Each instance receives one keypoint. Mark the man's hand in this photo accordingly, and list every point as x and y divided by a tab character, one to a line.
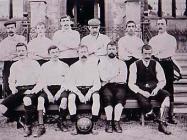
146	94
88	96
57	95
14	91
82	98
51	98
154	92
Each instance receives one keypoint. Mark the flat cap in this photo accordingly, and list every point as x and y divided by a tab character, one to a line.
94	22
10	21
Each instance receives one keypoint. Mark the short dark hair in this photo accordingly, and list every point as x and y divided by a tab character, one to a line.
21	44
146	47
112	43
40	23
130	21
9	22
65	16
52	47
161	18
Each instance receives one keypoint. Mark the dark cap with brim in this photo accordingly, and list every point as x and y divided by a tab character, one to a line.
94	22
11	21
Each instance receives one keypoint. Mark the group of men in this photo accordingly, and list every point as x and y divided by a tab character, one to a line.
69	71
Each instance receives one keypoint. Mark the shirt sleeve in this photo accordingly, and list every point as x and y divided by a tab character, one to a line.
122	52
12	78
132	79
160	76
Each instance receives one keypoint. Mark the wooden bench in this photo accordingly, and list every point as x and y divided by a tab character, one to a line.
130	104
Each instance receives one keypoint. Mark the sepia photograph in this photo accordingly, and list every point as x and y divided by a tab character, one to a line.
93	69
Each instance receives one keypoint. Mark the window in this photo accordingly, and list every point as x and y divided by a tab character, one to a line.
180	7
4	8
17	8
152	7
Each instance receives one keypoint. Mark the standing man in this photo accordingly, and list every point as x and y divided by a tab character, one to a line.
23	77
38	46
84	84
113	74
147	80
164	46
67	40
53	74
96	42
8	50
130	45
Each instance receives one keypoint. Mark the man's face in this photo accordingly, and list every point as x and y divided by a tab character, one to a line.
40	29
21	52
11	29
161	25
131	28
94	30
147	54
112	51
65	23
83	54
54	53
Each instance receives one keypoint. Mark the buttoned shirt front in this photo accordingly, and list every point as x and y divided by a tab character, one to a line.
68	42
164	45
24	73
54	73
38	47
84	74
133	76
129	46
112	70
96	44
8	46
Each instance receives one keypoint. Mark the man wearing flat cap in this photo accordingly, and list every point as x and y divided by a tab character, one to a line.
8	49
96	42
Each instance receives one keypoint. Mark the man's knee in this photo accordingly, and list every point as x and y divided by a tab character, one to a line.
166	102
119	106
96	97
146	107
63	103
3	109
27	101
71	98
41	102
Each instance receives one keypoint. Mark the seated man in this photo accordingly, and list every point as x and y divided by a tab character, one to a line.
84	84
147	80
23	77
113	74
52	79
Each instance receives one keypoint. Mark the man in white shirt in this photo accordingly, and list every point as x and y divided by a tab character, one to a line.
23	77
164	46
113	74
67	40
130	45
147	80
84	84
38	46
8	50
96	42
52	79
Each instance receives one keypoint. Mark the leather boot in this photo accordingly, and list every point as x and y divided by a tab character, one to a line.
171	119
117	127
108	127
27	131
40	131
162	127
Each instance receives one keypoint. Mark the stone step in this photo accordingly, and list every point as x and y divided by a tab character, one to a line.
180	89
181	81
181	100
180	110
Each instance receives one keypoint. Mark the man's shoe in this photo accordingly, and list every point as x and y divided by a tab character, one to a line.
40	131
74	129
163	128
117	127
27	131
63	126
108	127
94	129
172	121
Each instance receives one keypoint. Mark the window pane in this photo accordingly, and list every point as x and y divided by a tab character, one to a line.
4	8
167	7
152	7
17	8
180	6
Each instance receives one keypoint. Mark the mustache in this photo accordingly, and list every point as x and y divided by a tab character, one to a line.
160	28
83	56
